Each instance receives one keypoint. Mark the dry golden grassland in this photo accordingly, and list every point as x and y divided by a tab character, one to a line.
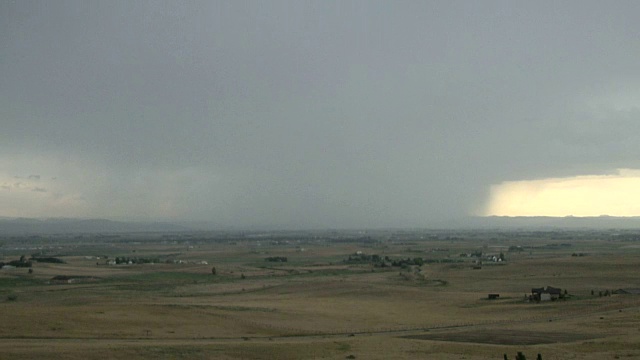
317	305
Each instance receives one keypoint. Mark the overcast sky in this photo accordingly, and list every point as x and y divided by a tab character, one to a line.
308	114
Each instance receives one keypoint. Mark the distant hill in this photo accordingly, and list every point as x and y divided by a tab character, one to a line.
545	222
29	226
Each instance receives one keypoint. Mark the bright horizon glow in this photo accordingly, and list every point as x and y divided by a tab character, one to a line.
589	195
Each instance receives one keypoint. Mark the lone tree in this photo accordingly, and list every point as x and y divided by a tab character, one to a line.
213	270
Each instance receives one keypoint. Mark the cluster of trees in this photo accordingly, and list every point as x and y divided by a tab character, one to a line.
136	260
360	258
23	262
52	260
556	245
276	259
379	261
601	293
408	262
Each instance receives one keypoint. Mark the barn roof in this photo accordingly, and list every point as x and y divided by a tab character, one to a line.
547	290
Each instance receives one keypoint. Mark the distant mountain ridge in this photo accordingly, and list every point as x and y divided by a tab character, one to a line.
31	226
546	222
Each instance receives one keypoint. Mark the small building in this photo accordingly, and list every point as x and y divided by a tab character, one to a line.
548	293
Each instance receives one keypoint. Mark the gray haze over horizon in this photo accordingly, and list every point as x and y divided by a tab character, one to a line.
307	114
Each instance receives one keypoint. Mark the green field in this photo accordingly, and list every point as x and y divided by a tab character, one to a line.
320	304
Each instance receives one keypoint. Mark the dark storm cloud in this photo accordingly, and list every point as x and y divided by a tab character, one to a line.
304	114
